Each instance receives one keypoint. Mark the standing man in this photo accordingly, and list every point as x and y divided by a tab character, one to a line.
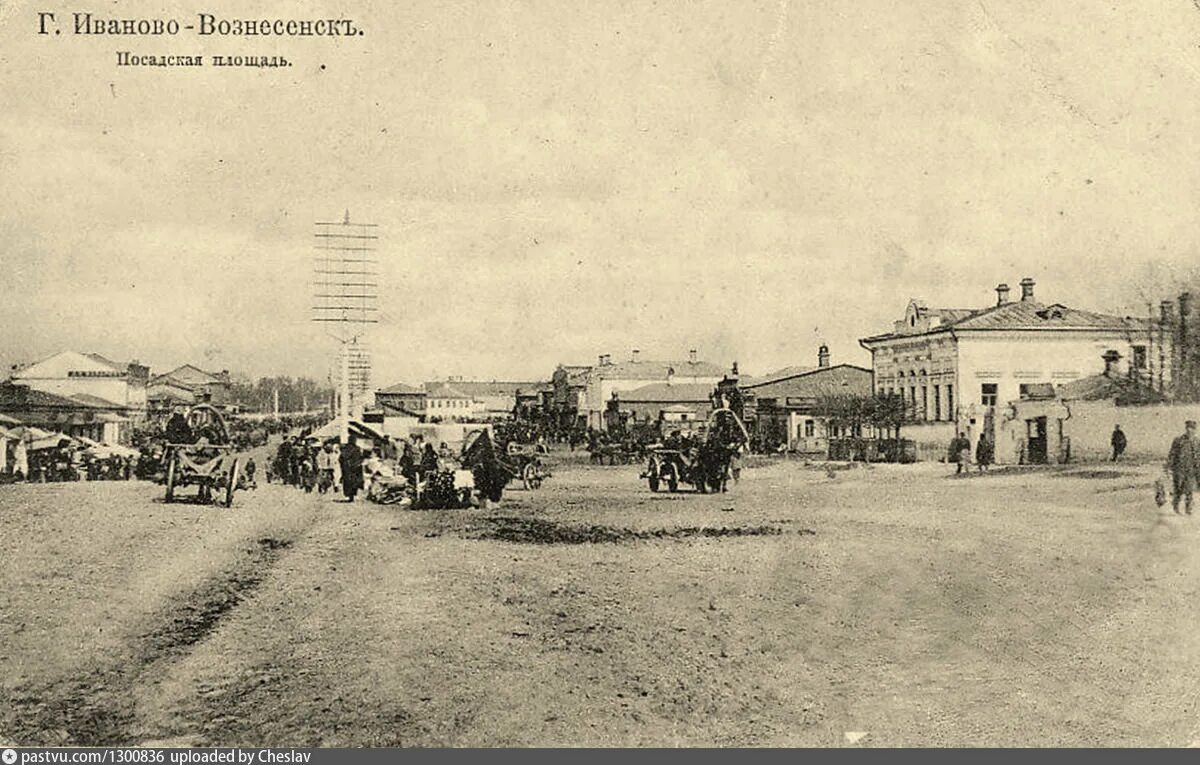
1183	464
1118	443
351	460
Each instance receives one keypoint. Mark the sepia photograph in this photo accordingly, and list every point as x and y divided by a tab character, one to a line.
623	373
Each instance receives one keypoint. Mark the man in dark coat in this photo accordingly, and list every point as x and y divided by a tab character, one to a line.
351	460
1118	443
1184	463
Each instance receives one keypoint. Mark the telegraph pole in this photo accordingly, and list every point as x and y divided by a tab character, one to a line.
345	299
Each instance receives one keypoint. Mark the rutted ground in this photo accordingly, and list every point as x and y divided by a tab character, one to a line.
1019	608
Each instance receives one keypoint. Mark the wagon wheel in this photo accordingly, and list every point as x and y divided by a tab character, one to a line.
531	476
672	477
171	479
231	483
652	475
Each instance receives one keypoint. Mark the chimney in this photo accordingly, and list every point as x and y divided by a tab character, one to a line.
734	371
1001	294
1110	363
1027	289
692	356
1166	313
823	356
634	356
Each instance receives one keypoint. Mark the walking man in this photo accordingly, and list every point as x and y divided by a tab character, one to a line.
1182	461
1118	443
351	460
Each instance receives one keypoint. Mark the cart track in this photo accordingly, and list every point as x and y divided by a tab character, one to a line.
97	706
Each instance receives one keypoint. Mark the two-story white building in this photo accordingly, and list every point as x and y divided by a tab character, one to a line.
955	366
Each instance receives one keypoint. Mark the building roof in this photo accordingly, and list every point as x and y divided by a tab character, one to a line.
776	376
116	366
823	381
1022	315
1102	387
187	375
96	401
658	393
14	397
495	388
403	389
443	390
657	370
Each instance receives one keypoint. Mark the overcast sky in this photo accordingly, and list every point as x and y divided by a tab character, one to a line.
555	180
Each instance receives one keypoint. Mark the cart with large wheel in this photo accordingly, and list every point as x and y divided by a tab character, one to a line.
528	463
204	458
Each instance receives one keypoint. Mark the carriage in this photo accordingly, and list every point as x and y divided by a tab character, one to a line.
705	464
527	463
202	455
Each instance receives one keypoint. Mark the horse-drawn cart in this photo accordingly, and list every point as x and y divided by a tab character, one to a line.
705	464
527	463
199	453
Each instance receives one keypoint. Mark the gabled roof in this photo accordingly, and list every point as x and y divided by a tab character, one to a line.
664	393
188	374
403	389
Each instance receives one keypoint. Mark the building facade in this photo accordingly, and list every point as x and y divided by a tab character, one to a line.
954	367
787	403
581	394
120	386
189	384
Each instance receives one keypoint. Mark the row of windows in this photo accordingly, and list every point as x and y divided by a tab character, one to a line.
92	373
437	403
917	403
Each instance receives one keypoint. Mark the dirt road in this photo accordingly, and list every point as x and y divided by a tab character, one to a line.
886	606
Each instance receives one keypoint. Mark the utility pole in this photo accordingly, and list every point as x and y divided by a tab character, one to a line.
345	299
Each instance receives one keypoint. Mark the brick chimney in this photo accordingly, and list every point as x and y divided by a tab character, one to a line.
1166	313
692	356
1111	358
1027	289
634	356
1001	294
823	356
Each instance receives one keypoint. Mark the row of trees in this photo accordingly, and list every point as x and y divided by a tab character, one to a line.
854	414
296	394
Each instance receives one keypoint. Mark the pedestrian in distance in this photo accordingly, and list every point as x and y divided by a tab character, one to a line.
1183	463
960	452
351	460
985	453
325	463
1118	443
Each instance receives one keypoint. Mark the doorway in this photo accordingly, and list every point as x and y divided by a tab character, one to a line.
1035	437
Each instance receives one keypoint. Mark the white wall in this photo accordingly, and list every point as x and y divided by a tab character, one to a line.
1010	359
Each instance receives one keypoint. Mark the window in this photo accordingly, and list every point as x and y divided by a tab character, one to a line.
924	403
949	402
809	429
1139	357
937	402
988	394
